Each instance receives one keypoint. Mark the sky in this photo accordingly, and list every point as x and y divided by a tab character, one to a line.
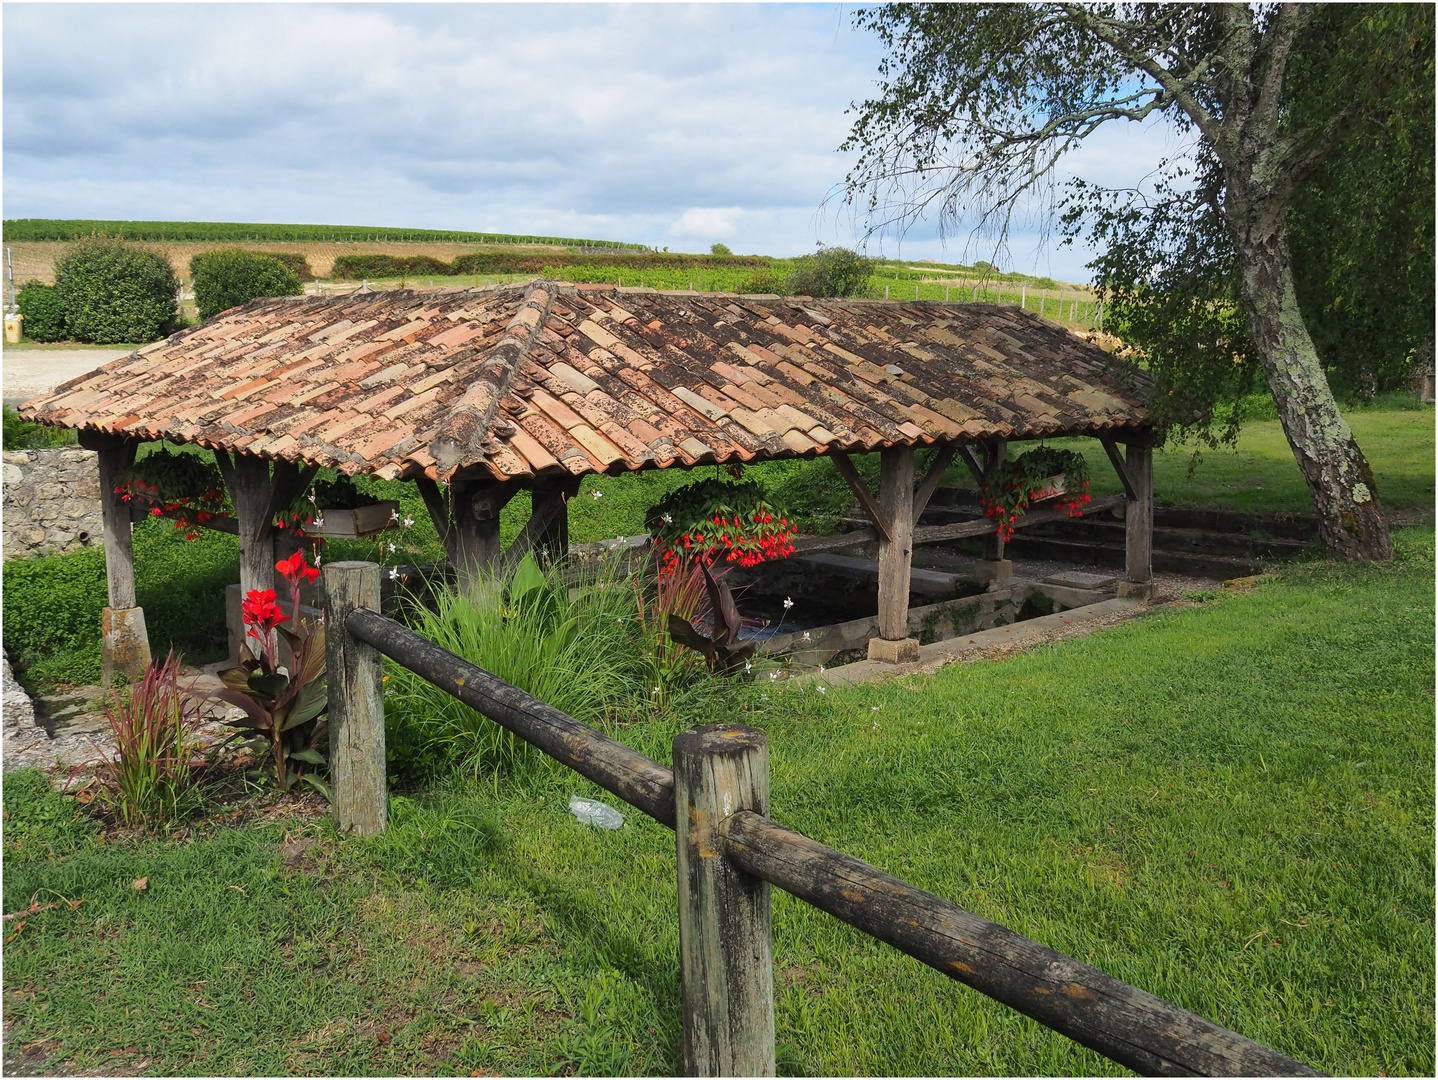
670	125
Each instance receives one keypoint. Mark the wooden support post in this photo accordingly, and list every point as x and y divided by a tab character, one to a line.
994	567
258	495
125	644
551	511
473	544
355	676
1138	519
896	505
725	941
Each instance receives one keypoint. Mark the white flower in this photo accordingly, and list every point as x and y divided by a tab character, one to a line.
669	519
317	560
322	617
312	498
394	515
654	691
394	573
805	637
821	669
773	675
748	667
597	494
620	621
874	708
788	603
391	546
876	725
408	522
821	687
764	697
320	521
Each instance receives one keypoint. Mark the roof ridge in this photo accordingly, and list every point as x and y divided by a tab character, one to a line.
457	442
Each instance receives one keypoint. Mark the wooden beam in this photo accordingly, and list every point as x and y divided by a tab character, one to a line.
546	531
726	953
996	453
115	454
1138	517
861	491
972	461
932	479
474	547
436	501
936	534
896	503
1111	449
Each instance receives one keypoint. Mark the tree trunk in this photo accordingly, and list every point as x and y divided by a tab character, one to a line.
1350	517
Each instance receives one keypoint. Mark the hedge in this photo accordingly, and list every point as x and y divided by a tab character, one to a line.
43	312
230	277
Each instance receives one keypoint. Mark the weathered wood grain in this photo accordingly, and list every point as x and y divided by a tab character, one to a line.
861	491
996	453
115	454
355	677
725	944
1138	514
1120	1021
1115	457
630	775
896	505
932	479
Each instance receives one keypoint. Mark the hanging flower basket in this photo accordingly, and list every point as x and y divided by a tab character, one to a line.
1041	475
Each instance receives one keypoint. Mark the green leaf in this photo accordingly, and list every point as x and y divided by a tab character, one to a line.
268	685
527	578
312	700
308	755
319	785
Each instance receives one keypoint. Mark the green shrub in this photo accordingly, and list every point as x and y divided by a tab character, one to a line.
831	271
719	249
765	281
44	314
114	292
230	277
295	261
23	435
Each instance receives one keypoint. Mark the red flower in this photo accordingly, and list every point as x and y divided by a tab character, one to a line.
260	612
294	568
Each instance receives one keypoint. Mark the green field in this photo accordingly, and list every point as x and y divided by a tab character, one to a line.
32	229
1230	806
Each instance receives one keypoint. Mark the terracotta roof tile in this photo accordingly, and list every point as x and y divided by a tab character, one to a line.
369	381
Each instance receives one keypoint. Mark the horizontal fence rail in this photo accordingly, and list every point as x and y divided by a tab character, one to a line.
1127	1025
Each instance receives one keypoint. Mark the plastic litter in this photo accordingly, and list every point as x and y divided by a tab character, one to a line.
595	813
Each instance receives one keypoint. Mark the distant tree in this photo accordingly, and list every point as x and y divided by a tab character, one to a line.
114	292
979	102
831	271
719	249
44	313
229	277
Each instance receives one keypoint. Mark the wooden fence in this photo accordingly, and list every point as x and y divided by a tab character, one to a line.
729	853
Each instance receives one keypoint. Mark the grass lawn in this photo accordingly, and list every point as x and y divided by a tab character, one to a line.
1229	805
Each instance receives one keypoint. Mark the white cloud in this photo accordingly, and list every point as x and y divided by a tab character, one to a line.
648	123
707	221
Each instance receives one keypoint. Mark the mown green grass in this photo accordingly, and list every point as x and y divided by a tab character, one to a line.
1230	806
1259	474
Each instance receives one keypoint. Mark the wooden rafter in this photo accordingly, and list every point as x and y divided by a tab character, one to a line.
861	492
931	480
1119	466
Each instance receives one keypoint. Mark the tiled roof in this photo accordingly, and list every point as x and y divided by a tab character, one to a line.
544	377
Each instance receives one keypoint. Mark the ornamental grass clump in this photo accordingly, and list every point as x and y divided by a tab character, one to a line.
148	780
568	642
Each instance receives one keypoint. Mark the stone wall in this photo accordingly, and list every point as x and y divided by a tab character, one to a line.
52	501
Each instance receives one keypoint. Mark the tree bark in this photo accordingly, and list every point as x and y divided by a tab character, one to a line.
1350	517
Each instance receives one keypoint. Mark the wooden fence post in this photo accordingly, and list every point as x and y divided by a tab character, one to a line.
725	944
355	676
